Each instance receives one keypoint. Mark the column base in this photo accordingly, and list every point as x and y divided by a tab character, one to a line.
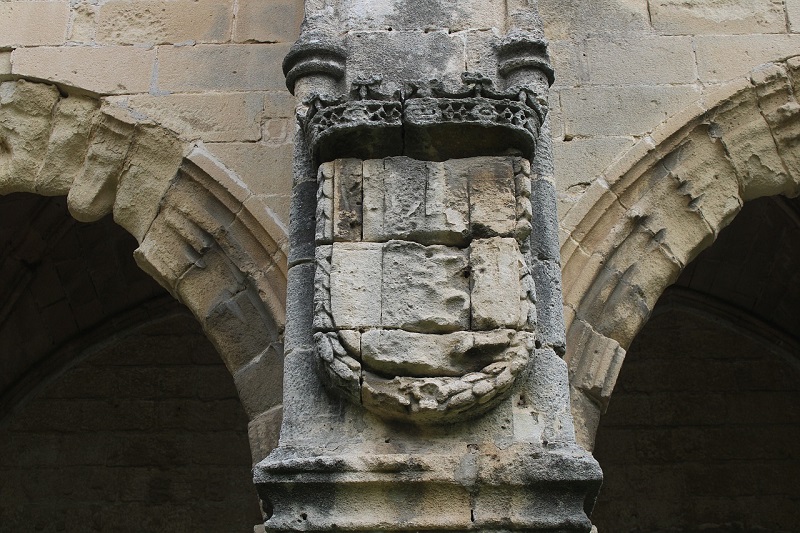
520	488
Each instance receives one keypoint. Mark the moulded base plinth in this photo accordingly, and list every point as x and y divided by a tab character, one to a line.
493	490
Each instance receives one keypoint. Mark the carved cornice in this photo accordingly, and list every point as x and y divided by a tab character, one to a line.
424	121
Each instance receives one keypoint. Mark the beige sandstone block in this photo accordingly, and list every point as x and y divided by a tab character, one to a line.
160	21
717	16
572	19
636	109
215	117
83	27
724	57
33	23
495	284
646	61
425	288
579	161
356	284
106	70
5	65
26	111
69	143
793	14
252	67
92	194
279	104
265	172
150	167
565	56
270	21
278	204
265	168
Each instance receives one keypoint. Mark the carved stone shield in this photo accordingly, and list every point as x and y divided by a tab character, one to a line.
424	303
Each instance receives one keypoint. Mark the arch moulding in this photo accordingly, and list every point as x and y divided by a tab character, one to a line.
658	206
202	233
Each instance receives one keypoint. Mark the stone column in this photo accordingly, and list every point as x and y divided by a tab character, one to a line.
424	388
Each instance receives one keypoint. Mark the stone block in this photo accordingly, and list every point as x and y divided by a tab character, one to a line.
251	67
407	55
431	15
265	168
263	432
84	23
215	117
279	104
347	200
793	14
356	284
496	290
25	125
410	199
645	61
580	160
92	194
729	17
425	288
572	19
260	382
160	21
69	142
103	70
5	65
636	109
150	167
492	195
397	352
723	57
268	21
33	23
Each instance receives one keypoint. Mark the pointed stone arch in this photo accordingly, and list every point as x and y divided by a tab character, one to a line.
202	233
653	210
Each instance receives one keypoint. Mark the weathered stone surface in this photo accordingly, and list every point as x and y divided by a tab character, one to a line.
268	21
397	352
33	23
159	21
497	267
719	17
492	195
356	284
104	70
254	67
415	200
425	288
25	121
347	200
68	144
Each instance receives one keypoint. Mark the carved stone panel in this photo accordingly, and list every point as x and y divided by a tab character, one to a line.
428	313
